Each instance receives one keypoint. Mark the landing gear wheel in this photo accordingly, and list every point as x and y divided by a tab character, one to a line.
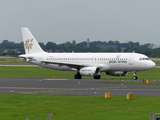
78	76
97	77
135	78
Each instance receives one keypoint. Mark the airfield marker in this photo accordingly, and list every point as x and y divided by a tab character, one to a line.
12	91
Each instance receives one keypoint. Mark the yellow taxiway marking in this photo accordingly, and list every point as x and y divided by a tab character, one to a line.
55	79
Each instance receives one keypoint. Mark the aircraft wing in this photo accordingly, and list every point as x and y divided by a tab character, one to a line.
72	65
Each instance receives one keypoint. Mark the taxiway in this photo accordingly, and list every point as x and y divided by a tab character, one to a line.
74	87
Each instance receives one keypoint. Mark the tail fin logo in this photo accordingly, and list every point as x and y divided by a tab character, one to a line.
28	44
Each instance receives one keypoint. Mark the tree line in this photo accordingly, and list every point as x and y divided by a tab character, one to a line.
14	49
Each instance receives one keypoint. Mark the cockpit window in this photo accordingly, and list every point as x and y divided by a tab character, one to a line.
144	59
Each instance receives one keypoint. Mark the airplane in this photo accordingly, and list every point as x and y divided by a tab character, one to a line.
84	64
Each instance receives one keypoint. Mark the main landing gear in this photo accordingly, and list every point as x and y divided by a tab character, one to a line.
97	77
79	76
134	75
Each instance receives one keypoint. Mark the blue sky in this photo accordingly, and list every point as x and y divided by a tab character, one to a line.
60	21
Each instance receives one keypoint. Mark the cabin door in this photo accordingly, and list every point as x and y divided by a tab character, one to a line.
131	59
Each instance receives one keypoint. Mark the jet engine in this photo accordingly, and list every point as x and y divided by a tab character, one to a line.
89	71
117	73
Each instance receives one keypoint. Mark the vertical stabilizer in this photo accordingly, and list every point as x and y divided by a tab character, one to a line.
30	44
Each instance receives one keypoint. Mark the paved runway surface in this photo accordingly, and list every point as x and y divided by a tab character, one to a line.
74	87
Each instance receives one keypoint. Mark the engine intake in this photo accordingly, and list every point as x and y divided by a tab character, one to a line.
89	71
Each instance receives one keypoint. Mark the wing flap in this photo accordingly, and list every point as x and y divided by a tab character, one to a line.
73	65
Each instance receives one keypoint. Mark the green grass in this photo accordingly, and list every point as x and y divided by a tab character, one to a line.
157	62
12	60
39	72
76	107
73	107
33	72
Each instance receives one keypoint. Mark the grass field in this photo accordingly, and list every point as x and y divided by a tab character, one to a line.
39	72
74	107
12	60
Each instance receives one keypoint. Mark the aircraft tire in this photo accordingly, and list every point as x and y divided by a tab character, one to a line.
78	76
97	77
135	78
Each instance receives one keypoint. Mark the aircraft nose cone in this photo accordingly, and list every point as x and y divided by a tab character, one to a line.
152	65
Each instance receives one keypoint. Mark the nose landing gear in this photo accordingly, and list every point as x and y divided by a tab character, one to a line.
134	75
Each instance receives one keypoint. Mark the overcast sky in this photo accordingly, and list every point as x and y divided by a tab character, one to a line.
67	20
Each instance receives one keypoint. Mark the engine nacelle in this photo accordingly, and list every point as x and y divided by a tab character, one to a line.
117	73
89	71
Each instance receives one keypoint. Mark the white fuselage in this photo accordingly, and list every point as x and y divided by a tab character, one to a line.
105	61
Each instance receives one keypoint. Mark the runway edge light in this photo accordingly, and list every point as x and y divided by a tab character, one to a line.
107	95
